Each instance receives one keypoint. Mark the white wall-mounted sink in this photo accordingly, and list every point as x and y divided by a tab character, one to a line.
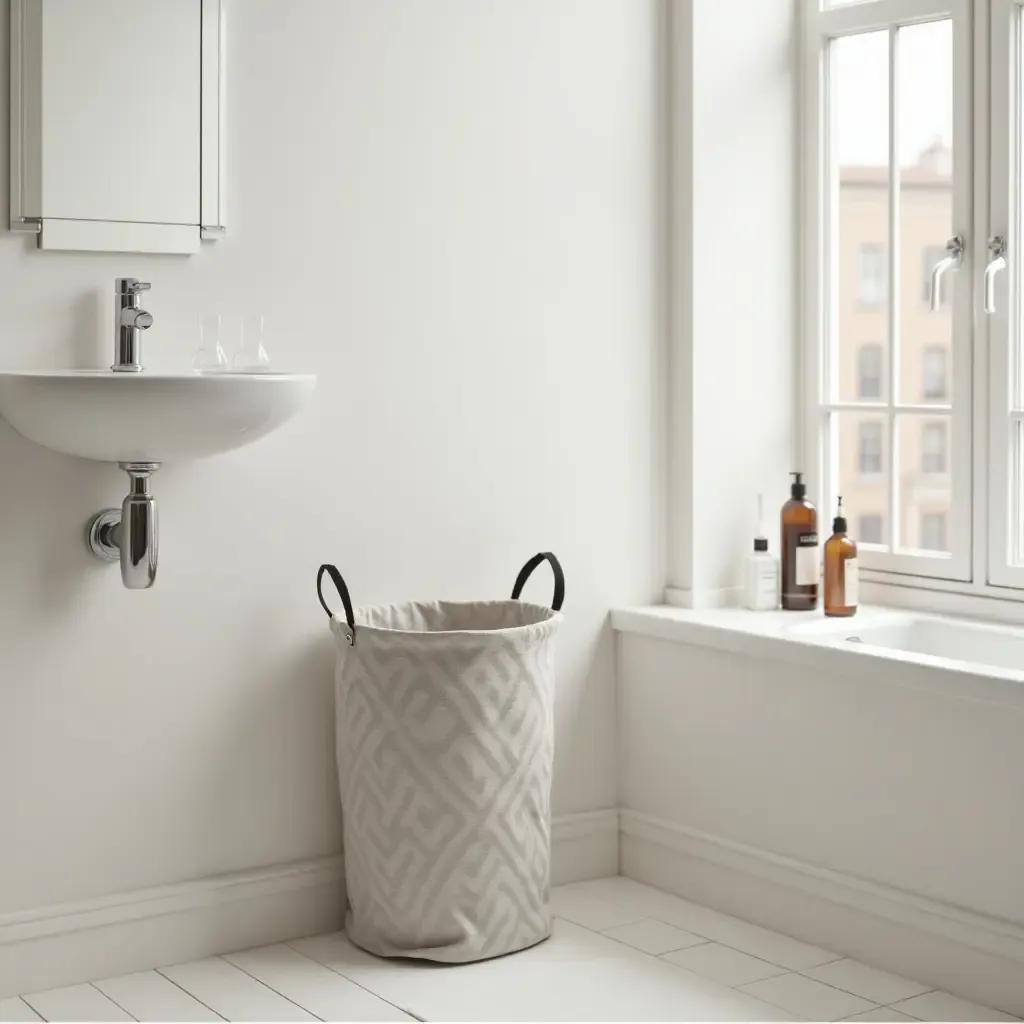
149	417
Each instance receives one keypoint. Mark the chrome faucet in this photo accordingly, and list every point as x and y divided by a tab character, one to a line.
130	320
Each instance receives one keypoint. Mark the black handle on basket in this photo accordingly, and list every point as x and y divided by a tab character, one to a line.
556	569
340	586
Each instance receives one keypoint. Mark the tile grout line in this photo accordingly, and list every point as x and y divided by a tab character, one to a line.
765	999
24	999
270	988
888	1006
783	971
92	984
874	1005
786	970
657	956
660	956
191	995
376	995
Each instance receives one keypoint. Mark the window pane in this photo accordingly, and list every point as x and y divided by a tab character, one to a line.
859	74
934	448
870	372
872	276
924	483
1016	532
860	443
925	139
933	531
1014	292
870	528
934	370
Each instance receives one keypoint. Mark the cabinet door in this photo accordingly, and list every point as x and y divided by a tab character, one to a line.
116	123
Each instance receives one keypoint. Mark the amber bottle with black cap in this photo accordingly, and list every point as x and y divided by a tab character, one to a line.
800	565
841	575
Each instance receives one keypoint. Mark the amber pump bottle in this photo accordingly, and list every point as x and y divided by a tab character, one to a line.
799	550
841	575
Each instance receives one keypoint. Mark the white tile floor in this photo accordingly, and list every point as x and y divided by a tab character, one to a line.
620	951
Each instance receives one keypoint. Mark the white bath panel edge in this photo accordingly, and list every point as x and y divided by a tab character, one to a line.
978	957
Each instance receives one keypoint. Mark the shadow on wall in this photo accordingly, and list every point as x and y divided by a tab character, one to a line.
85	345
45	502
585	716
261	781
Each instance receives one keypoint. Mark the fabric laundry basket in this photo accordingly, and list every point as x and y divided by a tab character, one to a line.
445	742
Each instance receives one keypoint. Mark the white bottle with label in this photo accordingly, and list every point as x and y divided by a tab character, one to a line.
760	573
761	578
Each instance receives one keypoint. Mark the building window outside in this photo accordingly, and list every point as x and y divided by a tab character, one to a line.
873	275
869	371
933	531
869	448
933	448
869	529
932	254
934	372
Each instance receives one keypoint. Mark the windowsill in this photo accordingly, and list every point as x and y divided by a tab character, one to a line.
808	639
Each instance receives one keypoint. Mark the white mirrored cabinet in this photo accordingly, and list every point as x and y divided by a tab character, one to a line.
117	123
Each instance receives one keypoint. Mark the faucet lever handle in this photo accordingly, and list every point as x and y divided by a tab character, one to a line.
130	286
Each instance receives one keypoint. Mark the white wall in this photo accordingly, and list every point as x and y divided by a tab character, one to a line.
734	332
452	213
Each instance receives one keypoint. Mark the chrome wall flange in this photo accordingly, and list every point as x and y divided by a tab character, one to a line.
129	534
102	535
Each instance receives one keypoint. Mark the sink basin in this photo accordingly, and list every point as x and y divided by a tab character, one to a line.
149	417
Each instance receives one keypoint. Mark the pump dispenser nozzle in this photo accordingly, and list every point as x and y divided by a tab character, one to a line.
839	523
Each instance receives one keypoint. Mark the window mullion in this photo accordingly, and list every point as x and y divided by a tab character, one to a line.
1002	326
892	467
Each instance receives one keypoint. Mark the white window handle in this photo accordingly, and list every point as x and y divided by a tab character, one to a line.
996	246
955	250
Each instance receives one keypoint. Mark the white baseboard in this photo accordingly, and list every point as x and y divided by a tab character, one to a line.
77	942
85	941
973	955
584	846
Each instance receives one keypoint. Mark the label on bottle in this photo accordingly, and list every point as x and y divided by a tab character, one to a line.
806	559
851	583
763	584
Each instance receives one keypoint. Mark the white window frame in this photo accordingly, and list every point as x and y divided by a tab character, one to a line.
818	311
1004	325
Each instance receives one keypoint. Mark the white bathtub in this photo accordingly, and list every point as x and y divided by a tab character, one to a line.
968	658
946	642
845	787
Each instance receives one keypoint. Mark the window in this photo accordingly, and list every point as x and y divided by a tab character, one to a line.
869	448
933	448
933	531
869	371
933	254
873	281
889	172
933	370
869	529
